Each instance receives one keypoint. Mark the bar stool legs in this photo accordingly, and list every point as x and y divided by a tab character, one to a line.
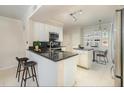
35	76
25	77
21	61
32	72
22	77
28	65
17	71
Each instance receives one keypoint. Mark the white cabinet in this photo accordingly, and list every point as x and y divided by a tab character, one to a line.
60	31
49	28
39	32
50	73
85	58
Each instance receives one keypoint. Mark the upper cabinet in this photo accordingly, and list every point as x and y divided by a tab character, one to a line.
60	31
56	29
41	31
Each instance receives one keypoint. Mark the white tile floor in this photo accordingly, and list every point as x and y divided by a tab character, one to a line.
98	75
8	79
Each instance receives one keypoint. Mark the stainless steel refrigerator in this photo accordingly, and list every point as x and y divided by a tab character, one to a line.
118	48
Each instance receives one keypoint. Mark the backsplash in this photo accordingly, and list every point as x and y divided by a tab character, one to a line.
46	44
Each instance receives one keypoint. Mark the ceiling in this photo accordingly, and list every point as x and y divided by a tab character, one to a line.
59	14
13	11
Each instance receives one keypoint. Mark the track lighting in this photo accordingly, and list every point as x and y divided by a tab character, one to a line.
74	18
73	15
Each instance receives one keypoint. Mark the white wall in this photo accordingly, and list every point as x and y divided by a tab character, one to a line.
71	38
11	41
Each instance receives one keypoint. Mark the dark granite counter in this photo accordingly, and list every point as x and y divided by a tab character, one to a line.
55	56
85	49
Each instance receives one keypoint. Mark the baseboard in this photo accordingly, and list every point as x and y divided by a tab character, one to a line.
7	67
83	67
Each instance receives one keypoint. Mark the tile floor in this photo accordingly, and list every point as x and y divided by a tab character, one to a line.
98	75
8	79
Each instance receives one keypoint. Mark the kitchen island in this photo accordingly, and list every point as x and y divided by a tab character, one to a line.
85	57
55	69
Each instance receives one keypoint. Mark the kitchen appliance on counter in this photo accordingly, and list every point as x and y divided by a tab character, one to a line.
80	46
117	49
54	44
53	36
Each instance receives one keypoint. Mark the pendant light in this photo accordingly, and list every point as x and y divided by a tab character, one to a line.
100	27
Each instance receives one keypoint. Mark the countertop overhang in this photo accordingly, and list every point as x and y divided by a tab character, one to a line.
85	49
55	56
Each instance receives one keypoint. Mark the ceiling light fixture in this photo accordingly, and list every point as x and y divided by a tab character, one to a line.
80	12
74	18
100	27
73	15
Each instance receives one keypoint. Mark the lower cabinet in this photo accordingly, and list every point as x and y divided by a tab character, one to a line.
85	58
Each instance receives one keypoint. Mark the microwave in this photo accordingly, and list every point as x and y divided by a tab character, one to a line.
53	36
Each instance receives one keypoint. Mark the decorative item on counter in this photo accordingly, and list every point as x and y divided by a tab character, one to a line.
80	46
37	44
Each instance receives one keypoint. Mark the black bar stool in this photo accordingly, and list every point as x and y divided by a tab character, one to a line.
27	65
20	68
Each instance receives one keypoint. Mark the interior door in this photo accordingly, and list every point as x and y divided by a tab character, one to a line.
118	48
123	46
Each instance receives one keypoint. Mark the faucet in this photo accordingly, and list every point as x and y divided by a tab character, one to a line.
50	46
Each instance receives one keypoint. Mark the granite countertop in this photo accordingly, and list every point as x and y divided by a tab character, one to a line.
85	49
55	56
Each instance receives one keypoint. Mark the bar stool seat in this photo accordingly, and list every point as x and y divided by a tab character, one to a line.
27	65
24	59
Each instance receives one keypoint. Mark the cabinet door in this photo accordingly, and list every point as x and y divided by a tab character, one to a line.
50	28
36	31
39	32
44	35
60	31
